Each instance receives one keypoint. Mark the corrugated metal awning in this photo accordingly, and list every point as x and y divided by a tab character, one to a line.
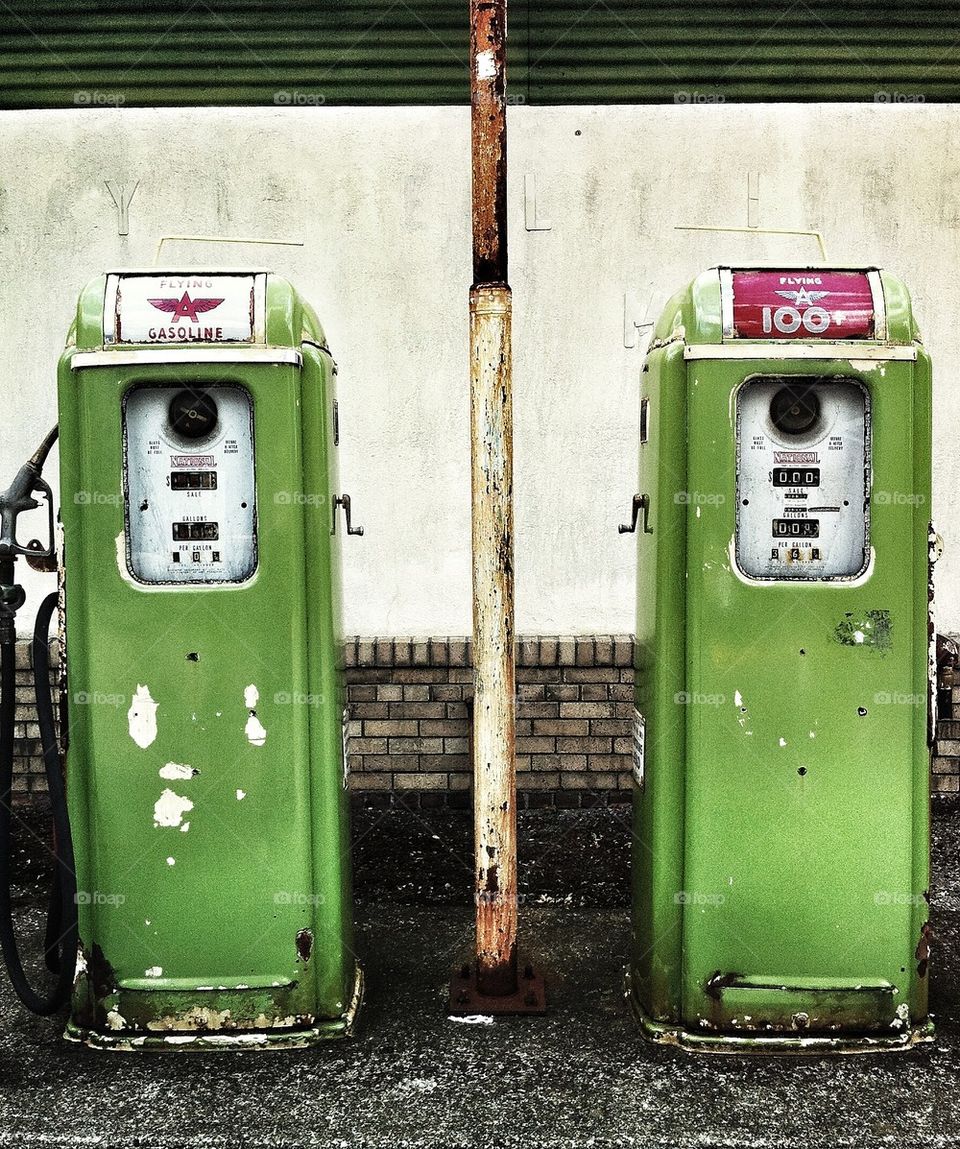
85	53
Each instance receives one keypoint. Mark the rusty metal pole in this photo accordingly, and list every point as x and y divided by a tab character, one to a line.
493	983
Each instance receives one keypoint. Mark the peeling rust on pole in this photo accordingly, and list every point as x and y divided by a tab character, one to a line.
488	139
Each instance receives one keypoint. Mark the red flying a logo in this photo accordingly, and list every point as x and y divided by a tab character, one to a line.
185	307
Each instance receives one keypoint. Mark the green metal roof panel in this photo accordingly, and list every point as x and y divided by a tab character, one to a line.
81	52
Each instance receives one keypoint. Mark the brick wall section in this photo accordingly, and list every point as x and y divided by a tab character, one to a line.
410	705
946	749
29	778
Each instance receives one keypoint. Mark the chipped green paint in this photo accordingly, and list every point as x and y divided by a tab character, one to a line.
871	630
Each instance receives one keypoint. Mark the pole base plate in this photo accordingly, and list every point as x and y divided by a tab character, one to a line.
466	1000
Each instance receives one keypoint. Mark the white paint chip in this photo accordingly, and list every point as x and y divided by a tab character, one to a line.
473	1019
142	717
254	730
241	794
176	771
184	827
737	698
256	735
486	65
171	861
153	971
858	636
783	741
116	1020
169	809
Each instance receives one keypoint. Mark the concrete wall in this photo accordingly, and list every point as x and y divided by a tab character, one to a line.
381	199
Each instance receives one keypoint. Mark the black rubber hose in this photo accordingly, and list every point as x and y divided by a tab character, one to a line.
66	942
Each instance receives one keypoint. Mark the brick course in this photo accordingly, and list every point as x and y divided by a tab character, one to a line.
411	709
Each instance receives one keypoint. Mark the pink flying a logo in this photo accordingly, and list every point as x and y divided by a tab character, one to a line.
185	307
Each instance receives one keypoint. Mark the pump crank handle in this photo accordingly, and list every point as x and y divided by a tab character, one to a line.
640	502
344	501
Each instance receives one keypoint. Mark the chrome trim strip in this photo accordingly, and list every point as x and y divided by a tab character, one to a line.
879	305
110	308
192	354
259	324
849	352
726	301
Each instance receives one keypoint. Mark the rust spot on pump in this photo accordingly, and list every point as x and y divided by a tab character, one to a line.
304	944
923	949
718	982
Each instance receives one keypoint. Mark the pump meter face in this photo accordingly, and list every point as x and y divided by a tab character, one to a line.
803	473
189	484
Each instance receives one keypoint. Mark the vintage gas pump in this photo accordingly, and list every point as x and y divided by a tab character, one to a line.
783	655
205	716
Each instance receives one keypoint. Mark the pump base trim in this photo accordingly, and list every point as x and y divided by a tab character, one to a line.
667	1033
206	1042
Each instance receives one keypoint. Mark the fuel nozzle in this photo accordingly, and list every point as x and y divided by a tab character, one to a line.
19	497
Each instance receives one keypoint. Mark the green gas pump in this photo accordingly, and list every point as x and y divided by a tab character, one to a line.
206	722
783	665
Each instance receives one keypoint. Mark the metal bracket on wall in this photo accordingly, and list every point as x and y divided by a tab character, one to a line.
531	216
635	317
753	199
122	198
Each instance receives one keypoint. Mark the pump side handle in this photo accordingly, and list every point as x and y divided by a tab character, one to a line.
640	502
344	501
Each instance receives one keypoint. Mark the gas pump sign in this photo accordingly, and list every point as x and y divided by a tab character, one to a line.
802	305
168	308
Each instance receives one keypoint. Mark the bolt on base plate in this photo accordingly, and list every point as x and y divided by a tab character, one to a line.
466	1000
